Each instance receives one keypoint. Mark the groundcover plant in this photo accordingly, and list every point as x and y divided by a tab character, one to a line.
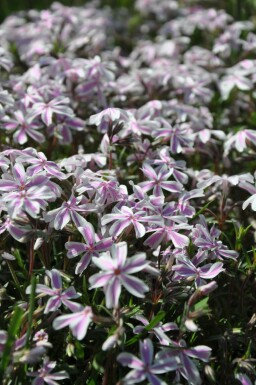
128	196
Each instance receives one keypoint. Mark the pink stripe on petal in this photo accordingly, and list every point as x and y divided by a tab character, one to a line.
211	270
119	253
75	248
47	116
201	352
100	279
103	244
154	380
189	370
55	279
118	227
112	293
88	233
178	240
62	219
139	229
155	239
135	263
70	293
146	351
105	263
42	289
20	137
19	173
79	331
134	285
84	262
52	304
63	321
243	378
171	186
127	359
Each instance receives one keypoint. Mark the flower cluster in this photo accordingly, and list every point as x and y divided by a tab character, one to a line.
127	154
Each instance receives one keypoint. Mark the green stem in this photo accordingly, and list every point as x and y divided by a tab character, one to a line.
16	280
31	309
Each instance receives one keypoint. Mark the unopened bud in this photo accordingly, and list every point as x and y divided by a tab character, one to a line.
209	372
208	288
190	325
201	291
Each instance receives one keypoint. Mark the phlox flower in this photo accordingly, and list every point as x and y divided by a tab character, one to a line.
250	201
97	76
183	207
243	378
195	90
159	330
108	191
38	162
44	375
208	241
187	367
107	117
105	187
26	193
58	295
124	218
180	136
29	201
6	60
168	232
24	127
240	140
57	106
63	128
17	350
5	98
140	123
146	368
93	246
41	338
202	57
250	43
231	81
189	269
78	321
247	185
70	209
19	230
116	272
222	182
172	165
158	181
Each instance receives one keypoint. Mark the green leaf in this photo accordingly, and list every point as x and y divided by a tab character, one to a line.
248	351
92	382
97	365
12	331
134	339
202	209
155	321
202	305
79	350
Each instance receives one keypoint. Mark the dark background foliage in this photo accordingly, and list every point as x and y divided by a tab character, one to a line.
9	6
240	9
